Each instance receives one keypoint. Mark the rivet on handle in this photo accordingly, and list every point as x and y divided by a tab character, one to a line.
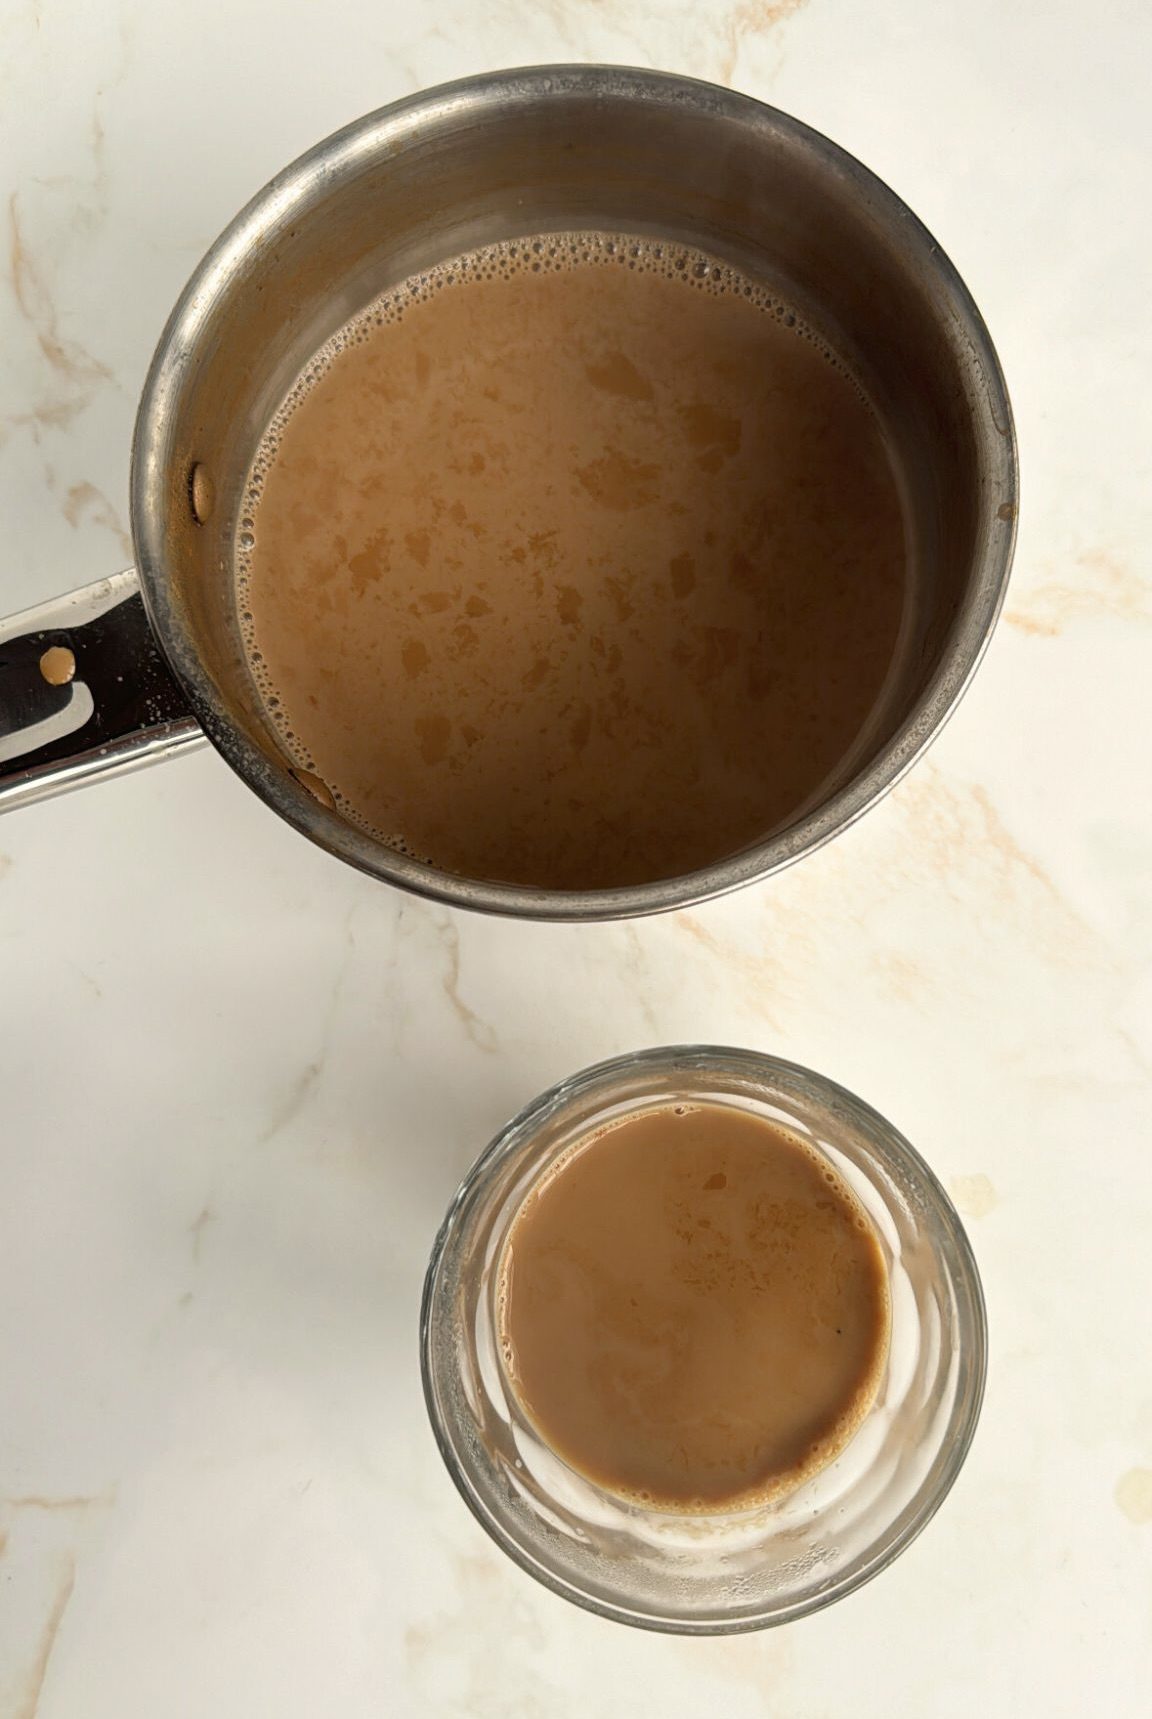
201	493
58	665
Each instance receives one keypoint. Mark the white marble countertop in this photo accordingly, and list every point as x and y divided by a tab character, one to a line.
238	1082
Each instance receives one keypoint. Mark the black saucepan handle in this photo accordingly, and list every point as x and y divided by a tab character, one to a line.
85	692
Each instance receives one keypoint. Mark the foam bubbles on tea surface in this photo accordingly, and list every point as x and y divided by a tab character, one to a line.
693	271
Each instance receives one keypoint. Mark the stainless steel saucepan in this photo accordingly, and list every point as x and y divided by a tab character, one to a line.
155	655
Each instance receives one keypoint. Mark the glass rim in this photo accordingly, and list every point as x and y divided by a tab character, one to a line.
765	1069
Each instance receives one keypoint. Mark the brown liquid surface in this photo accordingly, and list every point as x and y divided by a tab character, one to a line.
576	569
694	1309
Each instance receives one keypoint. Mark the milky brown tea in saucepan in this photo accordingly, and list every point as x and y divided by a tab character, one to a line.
694	1309
577	562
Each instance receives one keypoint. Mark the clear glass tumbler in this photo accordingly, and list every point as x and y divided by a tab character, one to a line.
742	1569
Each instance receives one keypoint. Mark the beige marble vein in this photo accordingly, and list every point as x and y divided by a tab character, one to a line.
74	374
490	1632
638	970
84	503
196	1229
747	20
93	984
754	969
29	1703
903	977
949	837
763	1664
1099	583
482	1035
294	1099
45	1501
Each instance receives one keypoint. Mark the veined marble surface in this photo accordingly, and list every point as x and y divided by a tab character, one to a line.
238	1082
